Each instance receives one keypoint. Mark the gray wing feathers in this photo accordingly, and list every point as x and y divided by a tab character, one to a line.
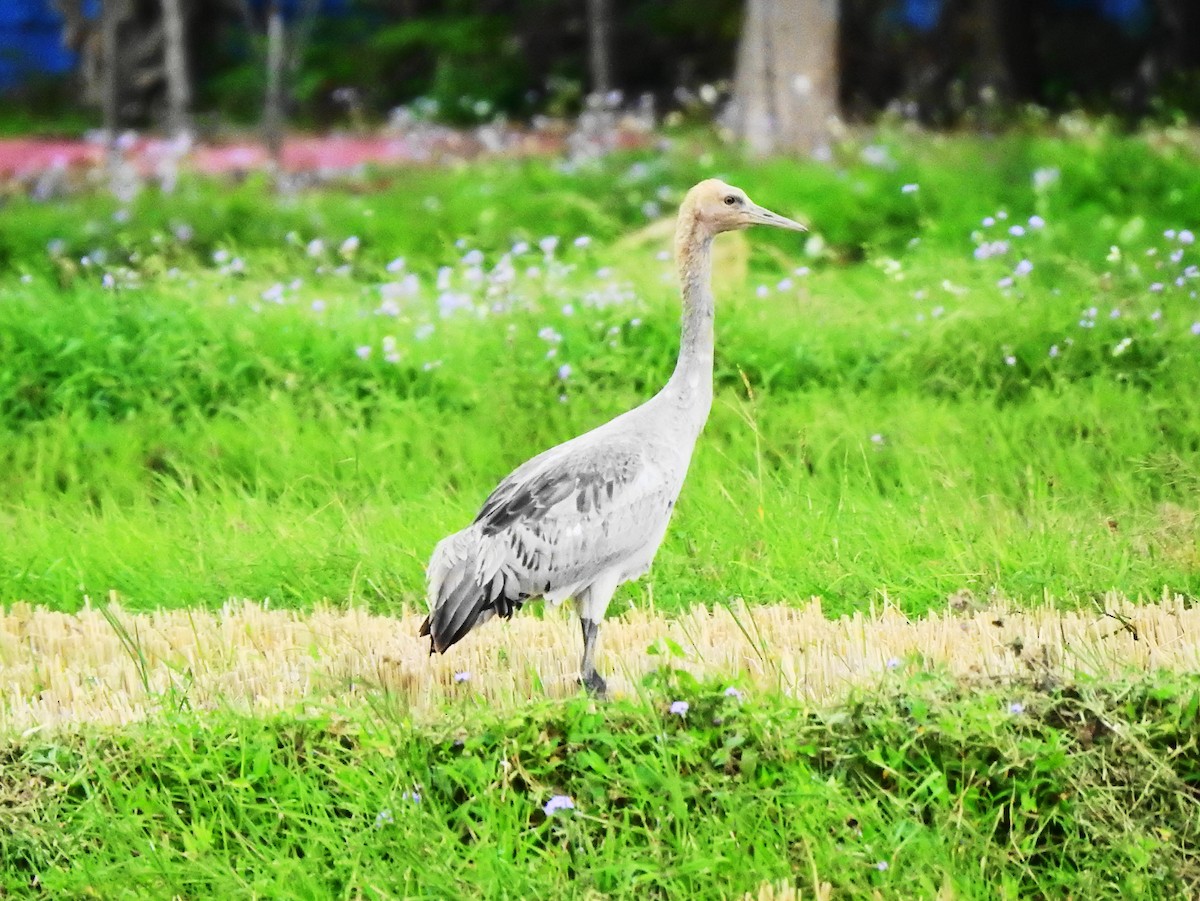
548	530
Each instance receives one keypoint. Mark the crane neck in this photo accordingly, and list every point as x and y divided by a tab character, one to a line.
692	380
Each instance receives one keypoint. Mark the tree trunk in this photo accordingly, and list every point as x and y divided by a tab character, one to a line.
995	79
273	109
111	98
179	86
599	15
786	84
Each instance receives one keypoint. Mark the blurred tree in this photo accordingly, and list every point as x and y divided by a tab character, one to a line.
175	63
945	62
599	13
786	84
273	113
284	49
111	13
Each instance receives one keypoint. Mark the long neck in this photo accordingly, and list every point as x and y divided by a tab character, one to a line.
692	380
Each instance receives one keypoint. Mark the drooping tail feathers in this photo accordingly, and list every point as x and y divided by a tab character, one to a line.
462	593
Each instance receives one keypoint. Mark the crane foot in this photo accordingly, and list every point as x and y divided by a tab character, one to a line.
594	685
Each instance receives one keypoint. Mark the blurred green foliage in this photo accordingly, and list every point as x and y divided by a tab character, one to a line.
187	417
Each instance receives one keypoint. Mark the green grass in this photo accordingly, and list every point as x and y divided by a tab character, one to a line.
892	422
184	417
923	788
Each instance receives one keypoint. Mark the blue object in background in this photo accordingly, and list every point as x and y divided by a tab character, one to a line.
923	15
1124	12
31	42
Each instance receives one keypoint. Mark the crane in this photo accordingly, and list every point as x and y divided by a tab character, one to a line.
581	518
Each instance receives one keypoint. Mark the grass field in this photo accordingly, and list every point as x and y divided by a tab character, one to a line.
971	390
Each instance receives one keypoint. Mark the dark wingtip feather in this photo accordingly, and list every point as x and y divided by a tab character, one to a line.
433	648
456	613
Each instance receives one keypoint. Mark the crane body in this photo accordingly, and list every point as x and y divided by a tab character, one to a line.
578	520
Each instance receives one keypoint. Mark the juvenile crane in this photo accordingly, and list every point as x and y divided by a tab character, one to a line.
581	518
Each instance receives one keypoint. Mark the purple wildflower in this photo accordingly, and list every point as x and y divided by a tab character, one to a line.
557	803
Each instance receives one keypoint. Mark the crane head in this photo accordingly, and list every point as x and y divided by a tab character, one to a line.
719	207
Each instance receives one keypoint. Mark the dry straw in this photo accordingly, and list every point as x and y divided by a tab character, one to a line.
109	666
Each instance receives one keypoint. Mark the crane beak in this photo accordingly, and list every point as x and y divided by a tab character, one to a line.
758	215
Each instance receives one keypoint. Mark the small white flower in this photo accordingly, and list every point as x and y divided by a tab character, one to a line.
910	188
1045	177
679	708
384	818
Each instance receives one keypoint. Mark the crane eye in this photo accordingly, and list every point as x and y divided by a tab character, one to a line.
730	200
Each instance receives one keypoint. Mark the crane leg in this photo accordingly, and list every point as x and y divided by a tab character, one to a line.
588	677
591	605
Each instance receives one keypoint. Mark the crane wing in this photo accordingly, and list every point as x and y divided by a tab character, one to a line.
557	523
575	513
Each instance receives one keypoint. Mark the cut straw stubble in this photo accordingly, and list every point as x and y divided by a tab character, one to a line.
107	666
